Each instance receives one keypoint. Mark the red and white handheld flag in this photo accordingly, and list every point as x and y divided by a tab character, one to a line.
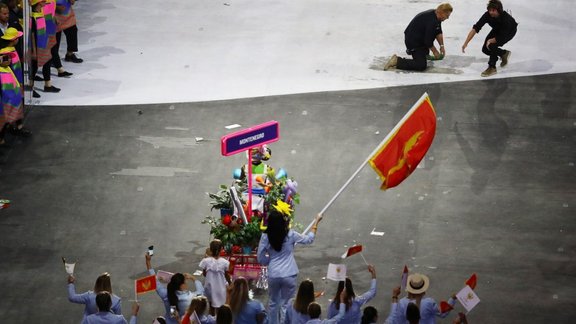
404	281
352	250
471	282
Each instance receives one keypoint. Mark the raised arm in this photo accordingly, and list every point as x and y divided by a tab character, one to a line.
471	35
73	296
367	296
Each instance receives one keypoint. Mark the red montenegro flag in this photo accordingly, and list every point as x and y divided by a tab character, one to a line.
146	284
406	144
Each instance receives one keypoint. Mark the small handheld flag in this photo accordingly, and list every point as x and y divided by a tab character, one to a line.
336	272
69	267
471	282
164	276
404	278
445	307
352	250
194	318
144	285
467	298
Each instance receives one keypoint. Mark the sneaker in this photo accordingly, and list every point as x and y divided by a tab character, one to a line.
391	62
35	94
489	71
505	58
64	74
73	58
51	89
22	131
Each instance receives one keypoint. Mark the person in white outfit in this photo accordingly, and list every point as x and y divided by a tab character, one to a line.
215	269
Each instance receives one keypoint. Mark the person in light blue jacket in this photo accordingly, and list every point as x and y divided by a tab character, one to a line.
353	303
276	250
88	298
244	309
315	310
297	311
104	314
176	293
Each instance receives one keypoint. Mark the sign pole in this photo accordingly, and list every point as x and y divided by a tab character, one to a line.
249	167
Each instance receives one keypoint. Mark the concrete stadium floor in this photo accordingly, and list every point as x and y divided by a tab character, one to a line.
494	196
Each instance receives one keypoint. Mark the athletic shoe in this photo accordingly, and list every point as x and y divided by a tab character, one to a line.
489	71
391	62
505	58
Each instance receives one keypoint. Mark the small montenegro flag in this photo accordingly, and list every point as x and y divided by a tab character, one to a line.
406	145
146	284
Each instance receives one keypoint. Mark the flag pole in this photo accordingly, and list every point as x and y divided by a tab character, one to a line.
135	291
392	132
363	258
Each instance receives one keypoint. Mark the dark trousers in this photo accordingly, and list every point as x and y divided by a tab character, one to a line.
45	69
417	63
71	41
494	51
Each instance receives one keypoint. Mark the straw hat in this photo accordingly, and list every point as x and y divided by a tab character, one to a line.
417	284
11	34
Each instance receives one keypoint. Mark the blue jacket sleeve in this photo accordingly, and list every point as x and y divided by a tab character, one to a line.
263	257
367	296
307	238
77	298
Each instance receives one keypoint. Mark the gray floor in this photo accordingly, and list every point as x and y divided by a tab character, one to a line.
495	195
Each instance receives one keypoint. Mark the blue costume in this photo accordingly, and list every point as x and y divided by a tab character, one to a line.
429	310
89	299
107	318
354	314
282	270
249	312
184	297
293	316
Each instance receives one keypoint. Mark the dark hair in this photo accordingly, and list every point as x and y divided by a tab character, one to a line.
103	283
161	319
304	296
215	248
224	315
199	304
349	293
103	301
412	313
369	315
239	295
314	310
175	282
495	4
277	229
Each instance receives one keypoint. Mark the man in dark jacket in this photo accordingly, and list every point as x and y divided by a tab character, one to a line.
503	30
419	38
